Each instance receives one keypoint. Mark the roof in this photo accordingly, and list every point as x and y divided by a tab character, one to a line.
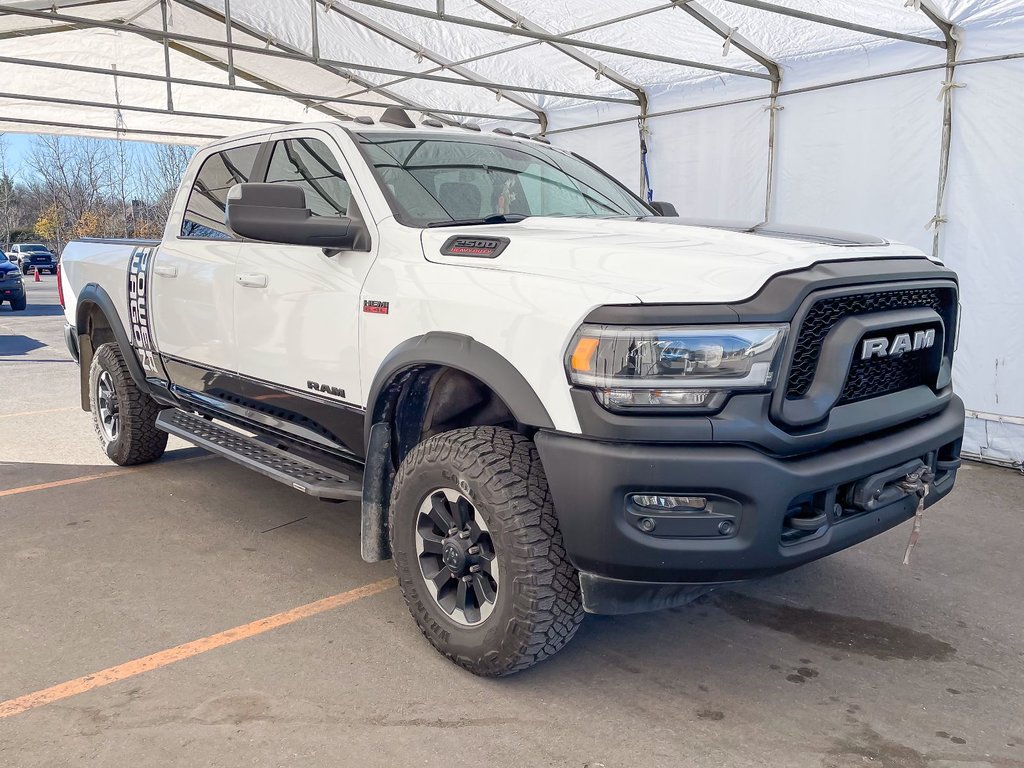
192	70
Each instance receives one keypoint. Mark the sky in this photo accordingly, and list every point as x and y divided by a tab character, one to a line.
19	146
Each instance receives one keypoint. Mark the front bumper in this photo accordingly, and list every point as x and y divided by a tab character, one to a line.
625	568
11	292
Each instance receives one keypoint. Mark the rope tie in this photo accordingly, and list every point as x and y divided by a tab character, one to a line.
774	108
598	71
419	56
329	5
947	88
936	221
728	40
915	4
498	95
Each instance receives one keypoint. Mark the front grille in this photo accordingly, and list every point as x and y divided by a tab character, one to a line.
880	377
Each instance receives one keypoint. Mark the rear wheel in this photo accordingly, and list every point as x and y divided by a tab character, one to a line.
124	415
478	552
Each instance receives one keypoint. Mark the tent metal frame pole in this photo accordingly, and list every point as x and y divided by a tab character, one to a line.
342	67
731	36
227	37
723	30
599	69
167	55
225	87
334	70
295	55
833	22
142	133
422	52
146	110
543	37
521	46
796	91
946	145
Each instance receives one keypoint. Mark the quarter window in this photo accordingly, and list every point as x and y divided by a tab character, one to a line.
204	214
310	164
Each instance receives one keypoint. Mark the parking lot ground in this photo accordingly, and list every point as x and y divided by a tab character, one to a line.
853	661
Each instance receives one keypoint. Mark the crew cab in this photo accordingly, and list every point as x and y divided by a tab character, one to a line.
30	256
549	396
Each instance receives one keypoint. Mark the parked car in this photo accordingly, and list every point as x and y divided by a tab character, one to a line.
550	397
30	256
12	286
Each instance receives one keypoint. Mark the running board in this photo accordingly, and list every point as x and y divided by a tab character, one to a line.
312	479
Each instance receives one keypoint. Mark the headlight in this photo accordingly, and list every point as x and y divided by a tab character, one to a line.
650	367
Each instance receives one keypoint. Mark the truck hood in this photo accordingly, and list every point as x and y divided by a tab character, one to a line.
659	260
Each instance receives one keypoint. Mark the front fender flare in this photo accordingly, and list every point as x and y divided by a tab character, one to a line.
465	354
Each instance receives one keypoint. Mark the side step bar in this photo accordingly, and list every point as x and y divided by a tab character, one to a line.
312	479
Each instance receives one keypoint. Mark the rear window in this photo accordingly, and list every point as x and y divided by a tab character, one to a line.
204	213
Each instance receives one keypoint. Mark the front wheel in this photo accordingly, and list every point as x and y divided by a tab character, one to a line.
124	415
478	552
19	305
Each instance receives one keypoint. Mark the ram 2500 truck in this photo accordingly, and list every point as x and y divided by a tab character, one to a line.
549	397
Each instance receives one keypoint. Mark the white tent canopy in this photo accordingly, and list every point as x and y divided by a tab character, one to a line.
899	118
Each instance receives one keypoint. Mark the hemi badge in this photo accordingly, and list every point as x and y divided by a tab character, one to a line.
375	307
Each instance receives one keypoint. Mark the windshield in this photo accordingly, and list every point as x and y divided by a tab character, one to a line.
455	179
33	249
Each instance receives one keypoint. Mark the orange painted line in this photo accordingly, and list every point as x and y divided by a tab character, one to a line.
98	476
187	650
37	413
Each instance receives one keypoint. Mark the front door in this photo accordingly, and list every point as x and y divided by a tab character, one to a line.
297	308
194	272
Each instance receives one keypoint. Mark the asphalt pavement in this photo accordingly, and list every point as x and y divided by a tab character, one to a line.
853	661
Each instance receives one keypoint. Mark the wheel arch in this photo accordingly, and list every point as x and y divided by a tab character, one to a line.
437	353
97	322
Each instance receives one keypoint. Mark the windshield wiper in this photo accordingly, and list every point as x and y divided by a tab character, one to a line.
495	218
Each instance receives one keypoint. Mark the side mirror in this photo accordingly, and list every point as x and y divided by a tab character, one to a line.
277	213
663	208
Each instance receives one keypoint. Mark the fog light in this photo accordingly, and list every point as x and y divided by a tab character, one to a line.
658	503
648	398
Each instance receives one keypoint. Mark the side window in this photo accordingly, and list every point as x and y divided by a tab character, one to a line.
310	164
204	214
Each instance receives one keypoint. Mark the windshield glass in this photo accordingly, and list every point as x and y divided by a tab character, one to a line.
435	181
33	249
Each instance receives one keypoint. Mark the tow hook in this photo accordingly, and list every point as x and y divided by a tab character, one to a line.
917	482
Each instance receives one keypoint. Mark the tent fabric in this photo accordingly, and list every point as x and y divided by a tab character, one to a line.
864	155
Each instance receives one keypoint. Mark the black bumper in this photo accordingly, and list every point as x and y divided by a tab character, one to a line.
626	568
11	293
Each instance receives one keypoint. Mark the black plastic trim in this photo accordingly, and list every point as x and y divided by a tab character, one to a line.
469	356
95	295
591	480
71	339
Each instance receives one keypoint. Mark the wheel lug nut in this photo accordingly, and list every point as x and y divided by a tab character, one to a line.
463	534
467	578
474	550
474	569
452	531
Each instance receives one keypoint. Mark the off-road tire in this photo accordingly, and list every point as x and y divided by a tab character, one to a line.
538	608
18	305
138	440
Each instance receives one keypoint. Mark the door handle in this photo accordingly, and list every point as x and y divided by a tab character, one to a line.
252	279
166	270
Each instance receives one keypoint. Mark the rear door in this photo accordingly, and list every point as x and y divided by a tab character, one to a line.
194	271
297	308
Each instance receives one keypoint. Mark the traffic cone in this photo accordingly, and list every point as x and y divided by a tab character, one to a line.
37	274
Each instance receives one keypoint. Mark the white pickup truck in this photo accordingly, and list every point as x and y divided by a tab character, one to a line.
550	397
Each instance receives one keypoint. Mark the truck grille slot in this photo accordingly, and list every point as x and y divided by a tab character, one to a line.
881	377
